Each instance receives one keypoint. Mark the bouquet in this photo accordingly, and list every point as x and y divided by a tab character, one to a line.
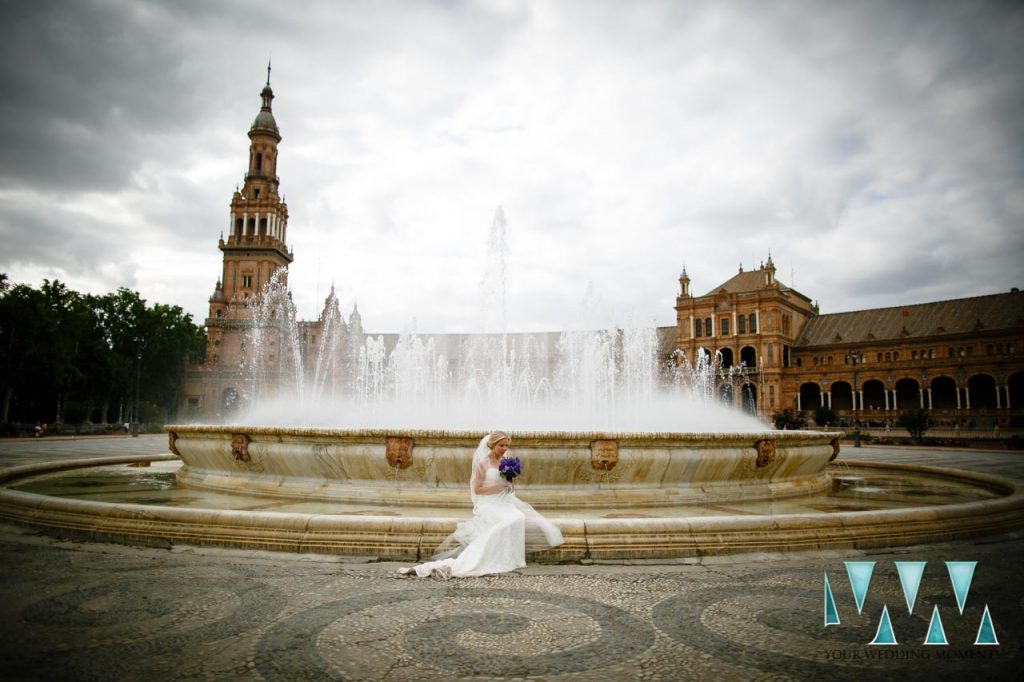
509	468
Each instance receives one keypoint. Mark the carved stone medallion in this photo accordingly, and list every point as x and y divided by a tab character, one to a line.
835	448
398	451
240	447
604	454
765	452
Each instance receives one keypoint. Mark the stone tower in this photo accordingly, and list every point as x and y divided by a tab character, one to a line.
254	252
256	245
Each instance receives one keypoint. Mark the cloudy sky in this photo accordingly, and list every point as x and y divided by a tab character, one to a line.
876	149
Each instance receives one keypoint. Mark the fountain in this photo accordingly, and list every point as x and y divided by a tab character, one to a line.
369	454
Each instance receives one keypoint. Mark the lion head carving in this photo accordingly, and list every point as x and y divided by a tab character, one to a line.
240	447
398	451
765	452
604	454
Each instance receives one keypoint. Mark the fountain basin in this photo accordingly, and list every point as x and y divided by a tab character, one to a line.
560	469
406	534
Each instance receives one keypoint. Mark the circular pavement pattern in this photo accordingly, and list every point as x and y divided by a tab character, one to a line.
468	632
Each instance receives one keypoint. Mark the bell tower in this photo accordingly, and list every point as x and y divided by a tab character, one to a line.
258	227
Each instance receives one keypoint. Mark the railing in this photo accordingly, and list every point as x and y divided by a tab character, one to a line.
994	434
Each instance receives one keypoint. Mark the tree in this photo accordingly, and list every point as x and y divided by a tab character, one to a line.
25	348
789	420
915	421
61	349
824	416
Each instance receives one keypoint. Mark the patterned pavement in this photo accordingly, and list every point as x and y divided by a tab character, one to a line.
79	610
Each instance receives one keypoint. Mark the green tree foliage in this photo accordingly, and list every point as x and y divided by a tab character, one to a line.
60	348
915	421
824	416
789	420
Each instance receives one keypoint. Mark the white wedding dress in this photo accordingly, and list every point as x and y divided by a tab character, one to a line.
495	540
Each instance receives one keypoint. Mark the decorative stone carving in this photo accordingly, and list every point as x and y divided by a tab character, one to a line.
398	450
604	454
240	447
765	452
835	448
172	442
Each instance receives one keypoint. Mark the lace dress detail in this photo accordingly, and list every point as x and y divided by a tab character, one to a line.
495	540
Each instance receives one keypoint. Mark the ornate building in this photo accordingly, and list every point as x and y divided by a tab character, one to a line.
960	359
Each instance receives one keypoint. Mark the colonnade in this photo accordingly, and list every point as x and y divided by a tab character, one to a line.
925	398
275	226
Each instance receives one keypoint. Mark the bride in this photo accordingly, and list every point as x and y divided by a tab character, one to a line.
503	527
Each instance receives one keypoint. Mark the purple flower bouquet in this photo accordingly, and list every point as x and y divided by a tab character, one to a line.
509	468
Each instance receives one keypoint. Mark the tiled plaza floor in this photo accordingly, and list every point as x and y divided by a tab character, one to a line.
79	610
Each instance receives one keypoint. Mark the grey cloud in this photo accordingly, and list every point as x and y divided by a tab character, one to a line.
66	241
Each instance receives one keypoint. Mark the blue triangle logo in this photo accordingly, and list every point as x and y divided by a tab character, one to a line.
986	631
936	634
884	636
859	573
831	614
960	574
910	580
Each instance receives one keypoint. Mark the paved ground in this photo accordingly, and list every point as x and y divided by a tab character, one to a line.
75	610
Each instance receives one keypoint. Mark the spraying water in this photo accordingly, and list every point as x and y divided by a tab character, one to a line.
580	380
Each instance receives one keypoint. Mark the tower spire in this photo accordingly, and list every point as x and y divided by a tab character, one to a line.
268	72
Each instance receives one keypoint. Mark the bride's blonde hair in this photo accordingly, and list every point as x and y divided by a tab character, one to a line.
496	437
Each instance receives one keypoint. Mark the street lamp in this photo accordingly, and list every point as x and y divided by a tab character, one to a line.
138	376
854	357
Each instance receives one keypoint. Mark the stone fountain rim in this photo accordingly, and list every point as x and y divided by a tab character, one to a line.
459	434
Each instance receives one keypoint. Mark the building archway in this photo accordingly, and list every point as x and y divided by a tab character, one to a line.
908	394
1016	384
749	395
725	394
943	393
982	389
810	396
842	396
874	395
726	357
748	356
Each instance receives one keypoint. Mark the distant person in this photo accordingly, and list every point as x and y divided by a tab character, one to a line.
503	527
38	431
127	427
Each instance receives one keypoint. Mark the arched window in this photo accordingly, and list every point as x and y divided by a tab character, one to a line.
741	324
699	324
708	330
752	322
